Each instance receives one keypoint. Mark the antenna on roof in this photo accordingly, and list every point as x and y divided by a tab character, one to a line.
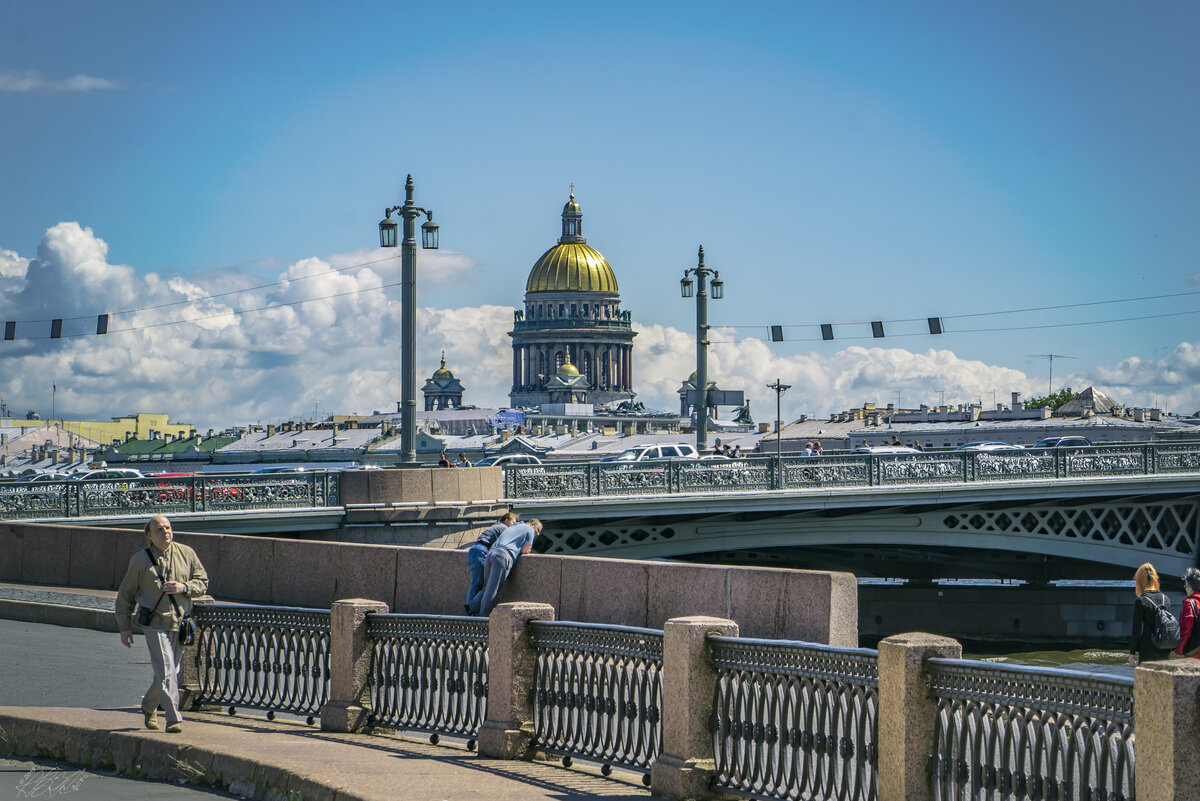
1050	357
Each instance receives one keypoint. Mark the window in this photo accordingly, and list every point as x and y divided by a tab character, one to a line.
669	451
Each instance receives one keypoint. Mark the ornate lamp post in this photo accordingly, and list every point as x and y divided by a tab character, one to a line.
779	388
408	302
717	286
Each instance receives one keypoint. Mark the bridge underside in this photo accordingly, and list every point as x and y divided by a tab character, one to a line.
1086	538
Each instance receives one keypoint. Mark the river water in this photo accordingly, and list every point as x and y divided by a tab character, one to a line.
1090	660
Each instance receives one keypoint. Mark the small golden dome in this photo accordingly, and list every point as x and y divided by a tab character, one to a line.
571	206
568	368
442	372
572	266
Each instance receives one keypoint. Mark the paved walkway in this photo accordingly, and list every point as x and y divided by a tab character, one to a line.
74	668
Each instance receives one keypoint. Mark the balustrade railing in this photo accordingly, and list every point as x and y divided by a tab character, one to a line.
208	492
598	693
429	673
761	473
1014	732
263	657
795	720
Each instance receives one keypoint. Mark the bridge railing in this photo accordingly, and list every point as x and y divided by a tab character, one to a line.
795	720
263	657
692	476
206	492
598	692
428	673
1017	732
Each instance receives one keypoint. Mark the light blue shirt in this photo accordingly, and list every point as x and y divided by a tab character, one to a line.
514	538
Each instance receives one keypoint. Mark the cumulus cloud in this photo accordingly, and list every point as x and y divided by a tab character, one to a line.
32	81
323	340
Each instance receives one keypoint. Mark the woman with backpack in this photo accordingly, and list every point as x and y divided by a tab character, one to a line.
1150	599
1189	618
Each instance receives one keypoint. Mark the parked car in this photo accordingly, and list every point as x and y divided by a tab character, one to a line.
269	470
1063	442
884	449
989	447
657	453
108	473
508	460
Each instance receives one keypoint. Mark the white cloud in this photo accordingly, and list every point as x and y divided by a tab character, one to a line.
335	346
1194	278
34	81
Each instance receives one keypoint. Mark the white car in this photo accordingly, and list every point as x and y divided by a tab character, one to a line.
989	447
509	460
656	453
108	473
884	449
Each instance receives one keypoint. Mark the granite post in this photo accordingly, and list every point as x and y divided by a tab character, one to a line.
189	664
349	702
686	765
907	714
508	731
1167	728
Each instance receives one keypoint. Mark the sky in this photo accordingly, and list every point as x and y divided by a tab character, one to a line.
212	175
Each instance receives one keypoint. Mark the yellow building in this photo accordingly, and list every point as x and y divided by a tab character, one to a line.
143	425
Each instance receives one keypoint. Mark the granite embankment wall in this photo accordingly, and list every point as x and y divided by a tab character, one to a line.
815	606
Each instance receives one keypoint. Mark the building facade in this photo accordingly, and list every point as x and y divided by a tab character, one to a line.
572	303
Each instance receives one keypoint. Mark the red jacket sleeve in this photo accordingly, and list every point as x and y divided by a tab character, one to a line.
1187	620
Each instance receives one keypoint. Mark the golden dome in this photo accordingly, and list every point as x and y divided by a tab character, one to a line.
568	368
442	372
573	266
571	206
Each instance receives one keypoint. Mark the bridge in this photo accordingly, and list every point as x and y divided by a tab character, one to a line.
1085	513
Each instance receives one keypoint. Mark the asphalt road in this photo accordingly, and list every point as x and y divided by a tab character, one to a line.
43	665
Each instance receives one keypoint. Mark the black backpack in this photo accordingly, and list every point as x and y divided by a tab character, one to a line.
1165	634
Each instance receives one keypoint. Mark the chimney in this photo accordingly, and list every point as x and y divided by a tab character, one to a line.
1139	415
764	428
353	425
1016	401
1156	415
54	457
270	429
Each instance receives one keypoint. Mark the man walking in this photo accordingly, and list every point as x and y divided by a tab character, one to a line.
512	542
477	554
161	581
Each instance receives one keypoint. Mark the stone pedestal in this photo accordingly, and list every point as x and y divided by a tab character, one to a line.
508	730
349	702
686	765
189	665
1167	728
907	714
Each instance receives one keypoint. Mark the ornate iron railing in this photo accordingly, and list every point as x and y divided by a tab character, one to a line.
1015	732
795	720
598	693
609	479
429	673
263	657
207	492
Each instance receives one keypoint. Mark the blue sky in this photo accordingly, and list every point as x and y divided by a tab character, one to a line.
839	164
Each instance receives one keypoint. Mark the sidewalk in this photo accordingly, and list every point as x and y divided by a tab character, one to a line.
263	759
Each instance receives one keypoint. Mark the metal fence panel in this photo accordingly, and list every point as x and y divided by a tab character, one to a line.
795	720
598	692
1014	732
429	672
263	657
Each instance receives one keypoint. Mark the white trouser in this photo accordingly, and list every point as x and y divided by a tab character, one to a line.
165	659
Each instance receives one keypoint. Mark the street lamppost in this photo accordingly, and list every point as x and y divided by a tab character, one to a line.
408	308
717	286
779	388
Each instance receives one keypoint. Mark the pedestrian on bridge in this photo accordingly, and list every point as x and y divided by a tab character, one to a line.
161	581
1189	618
512	543
1145	609
477	554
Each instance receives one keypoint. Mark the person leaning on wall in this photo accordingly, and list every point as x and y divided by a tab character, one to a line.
160	582
1145	606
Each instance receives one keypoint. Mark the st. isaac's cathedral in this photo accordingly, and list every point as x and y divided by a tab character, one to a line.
572	325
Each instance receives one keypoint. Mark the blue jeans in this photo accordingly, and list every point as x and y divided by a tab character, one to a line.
496	568
476	554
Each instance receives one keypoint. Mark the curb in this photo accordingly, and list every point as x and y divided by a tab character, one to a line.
137	755
78	617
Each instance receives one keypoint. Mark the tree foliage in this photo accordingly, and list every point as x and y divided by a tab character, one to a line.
1052	401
